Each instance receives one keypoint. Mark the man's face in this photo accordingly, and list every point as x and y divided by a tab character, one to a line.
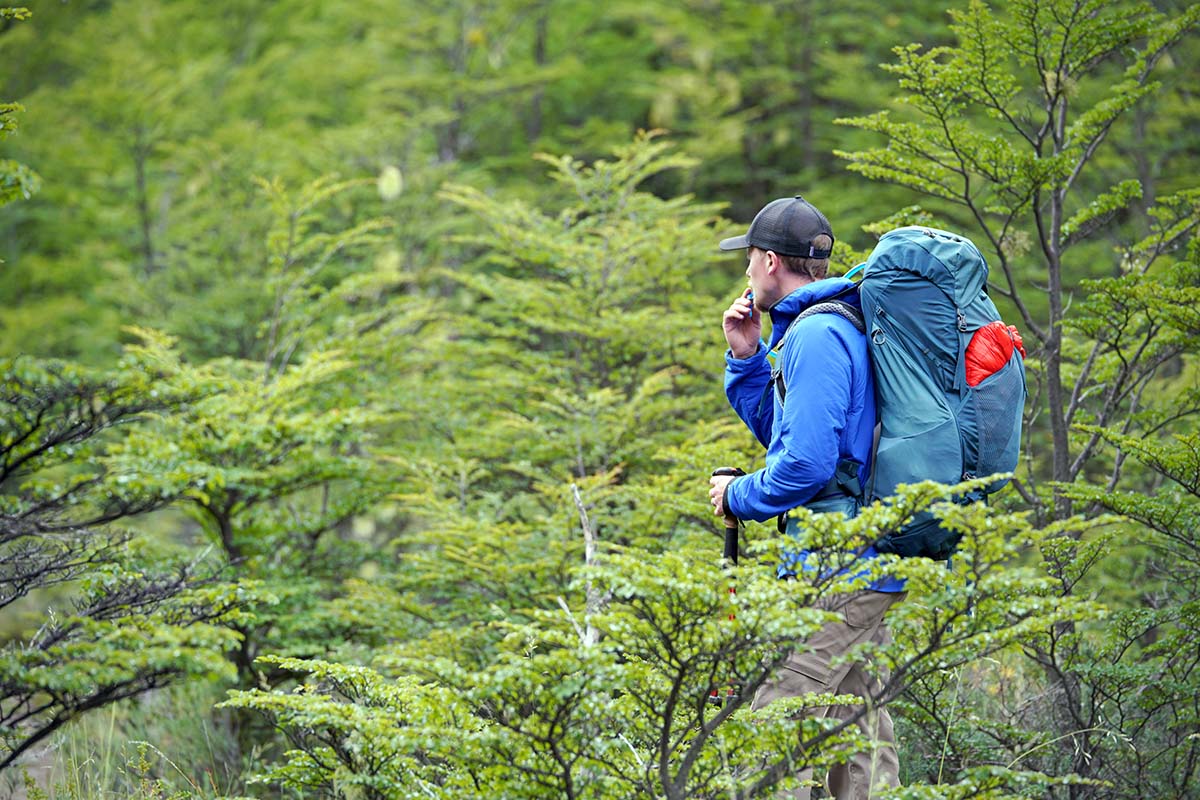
760	280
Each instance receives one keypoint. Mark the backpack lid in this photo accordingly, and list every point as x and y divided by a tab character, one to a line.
952	262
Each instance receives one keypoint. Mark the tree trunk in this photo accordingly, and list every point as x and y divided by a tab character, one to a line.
533	126
141	152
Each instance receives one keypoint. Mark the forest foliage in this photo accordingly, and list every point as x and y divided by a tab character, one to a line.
362	378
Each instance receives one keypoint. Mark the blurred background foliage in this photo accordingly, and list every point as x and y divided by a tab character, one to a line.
356	354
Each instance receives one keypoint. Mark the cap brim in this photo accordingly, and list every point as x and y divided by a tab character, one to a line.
735	243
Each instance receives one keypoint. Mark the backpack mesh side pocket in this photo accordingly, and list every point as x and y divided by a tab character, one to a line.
996	405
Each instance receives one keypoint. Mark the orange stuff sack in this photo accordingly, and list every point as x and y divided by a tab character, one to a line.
990	349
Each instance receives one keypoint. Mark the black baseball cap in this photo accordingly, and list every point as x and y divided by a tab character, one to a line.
787	226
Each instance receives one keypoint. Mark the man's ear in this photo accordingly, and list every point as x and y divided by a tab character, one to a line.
773	262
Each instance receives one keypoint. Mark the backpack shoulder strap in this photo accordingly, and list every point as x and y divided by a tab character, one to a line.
841	308
832	306
845	478
838	307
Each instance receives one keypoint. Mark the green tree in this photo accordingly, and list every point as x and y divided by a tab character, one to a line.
17	181
576	328
559	596
559	711
1004	127
155	150
1005	131
410	436
1143	676
126	616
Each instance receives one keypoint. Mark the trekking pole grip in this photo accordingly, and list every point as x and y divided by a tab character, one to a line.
731	522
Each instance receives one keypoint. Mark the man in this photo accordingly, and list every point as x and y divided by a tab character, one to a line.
818	434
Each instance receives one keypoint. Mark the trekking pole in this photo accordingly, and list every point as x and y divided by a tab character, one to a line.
732	524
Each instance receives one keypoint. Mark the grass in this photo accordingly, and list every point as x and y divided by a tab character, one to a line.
166	745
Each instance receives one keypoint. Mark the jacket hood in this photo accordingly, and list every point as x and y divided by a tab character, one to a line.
789	307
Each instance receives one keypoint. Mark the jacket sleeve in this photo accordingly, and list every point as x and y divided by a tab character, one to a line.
817	374
745	381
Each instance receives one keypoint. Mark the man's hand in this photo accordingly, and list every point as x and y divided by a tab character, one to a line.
716	494
742	324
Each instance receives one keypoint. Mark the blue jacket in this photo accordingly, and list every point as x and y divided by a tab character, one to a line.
830	411
829	415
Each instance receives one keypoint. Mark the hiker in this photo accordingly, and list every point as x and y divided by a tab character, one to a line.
818	438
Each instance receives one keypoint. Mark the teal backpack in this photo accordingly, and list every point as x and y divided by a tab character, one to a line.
924	295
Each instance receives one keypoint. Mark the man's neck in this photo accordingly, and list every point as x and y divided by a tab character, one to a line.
791	282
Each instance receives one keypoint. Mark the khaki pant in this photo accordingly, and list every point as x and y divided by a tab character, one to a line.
810	671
